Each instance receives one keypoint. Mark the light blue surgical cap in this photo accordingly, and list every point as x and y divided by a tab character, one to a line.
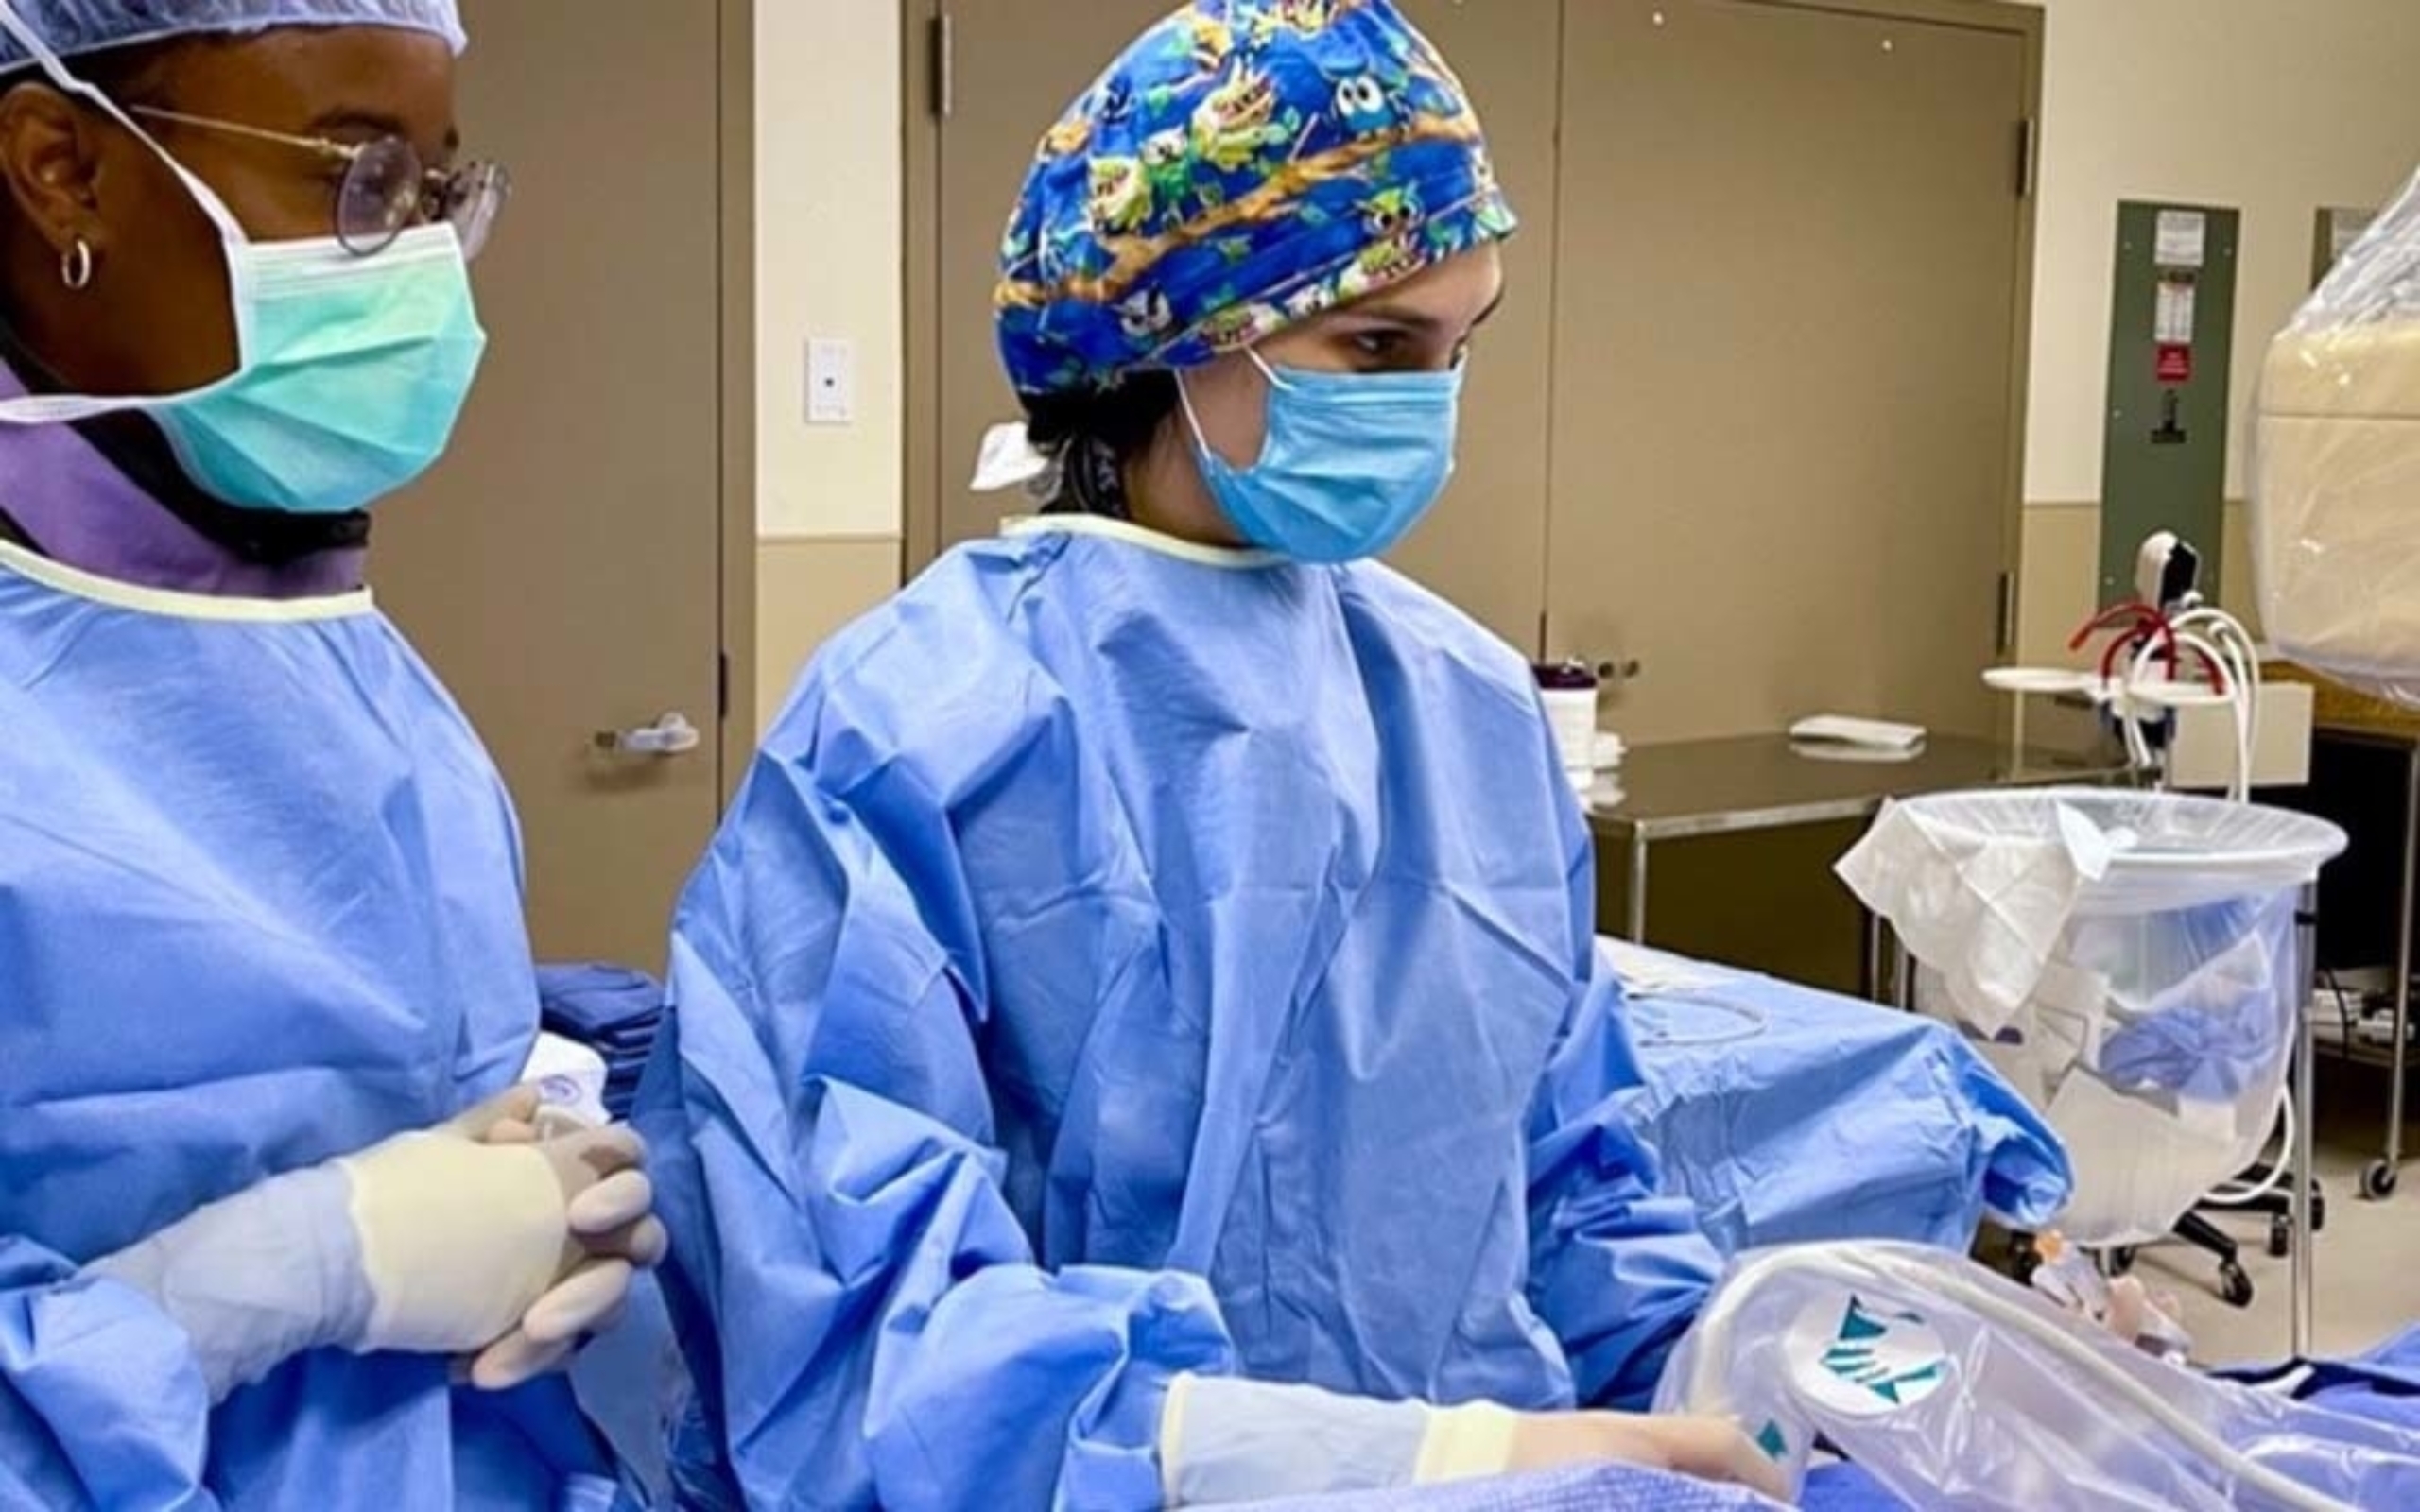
73	27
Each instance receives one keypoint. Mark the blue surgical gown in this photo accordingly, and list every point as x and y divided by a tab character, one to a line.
1123	961
259	906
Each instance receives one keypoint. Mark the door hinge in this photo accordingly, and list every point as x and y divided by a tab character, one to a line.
2028	149
722	686
944	65
2004	635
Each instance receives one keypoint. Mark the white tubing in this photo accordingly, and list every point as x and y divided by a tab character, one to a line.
2229	649
2223	638
1713	1349
2230	1195
2229	631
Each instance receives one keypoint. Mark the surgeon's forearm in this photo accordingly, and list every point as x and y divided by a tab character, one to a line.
1225	1441
256	1279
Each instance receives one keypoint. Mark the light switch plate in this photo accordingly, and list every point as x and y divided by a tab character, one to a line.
831	382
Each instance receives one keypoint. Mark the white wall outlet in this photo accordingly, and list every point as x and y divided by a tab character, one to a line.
831	382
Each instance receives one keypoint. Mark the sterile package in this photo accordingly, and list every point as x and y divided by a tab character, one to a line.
2335	496
2128	961
570	1078
1962	1392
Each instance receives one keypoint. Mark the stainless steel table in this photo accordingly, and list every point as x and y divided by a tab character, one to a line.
1699	787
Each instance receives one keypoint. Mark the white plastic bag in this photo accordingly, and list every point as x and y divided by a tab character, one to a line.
2128	961
1960	1390
2335	499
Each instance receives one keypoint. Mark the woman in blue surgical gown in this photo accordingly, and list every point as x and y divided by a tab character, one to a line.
265	1196
1138	1036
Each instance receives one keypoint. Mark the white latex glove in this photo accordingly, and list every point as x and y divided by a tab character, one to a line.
1224	1442
1708	1449
458	1236
438	1242
615	1225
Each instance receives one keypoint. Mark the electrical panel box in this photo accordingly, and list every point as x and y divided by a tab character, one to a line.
2170	346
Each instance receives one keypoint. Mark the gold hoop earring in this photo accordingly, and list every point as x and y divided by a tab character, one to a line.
75	266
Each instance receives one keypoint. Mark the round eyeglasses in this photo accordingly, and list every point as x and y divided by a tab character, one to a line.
386	189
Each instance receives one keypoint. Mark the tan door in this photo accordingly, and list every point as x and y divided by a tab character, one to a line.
1014	64
1786	417
562	567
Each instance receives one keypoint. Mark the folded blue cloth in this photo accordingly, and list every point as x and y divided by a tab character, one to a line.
611	1009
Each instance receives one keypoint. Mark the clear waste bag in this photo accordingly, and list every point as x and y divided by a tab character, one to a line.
2129	961
2335	495
1962	1392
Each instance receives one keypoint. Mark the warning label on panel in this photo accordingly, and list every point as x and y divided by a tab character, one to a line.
2175	363
2172	319
2183	238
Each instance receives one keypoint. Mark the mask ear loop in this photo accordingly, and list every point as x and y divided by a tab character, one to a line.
1192	419
12	23
58	408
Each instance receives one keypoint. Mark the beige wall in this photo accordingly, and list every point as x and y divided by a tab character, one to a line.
2274	108
827	266
2270	107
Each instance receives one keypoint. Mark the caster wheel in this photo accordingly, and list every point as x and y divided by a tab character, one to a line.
2378	1180
2281	1237
2121	1260
2235	1284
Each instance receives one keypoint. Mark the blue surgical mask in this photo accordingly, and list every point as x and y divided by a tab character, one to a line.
351	370
1353	462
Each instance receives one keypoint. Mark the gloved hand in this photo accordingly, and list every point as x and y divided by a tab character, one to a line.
614	1226
1225	1441
1708	1449
438	1242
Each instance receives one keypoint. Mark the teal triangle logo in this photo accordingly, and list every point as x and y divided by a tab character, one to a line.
1774	1442
1864	1354
1859	1325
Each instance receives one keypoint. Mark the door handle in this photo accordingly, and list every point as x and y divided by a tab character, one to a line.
672	735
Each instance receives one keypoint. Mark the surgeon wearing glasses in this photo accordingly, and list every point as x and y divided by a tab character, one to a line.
276	1227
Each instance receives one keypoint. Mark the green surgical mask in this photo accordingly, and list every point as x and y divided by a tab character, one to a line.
350	372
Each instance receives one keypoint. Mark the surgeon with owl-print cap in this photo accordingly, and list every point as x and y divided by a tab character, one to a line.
1138	1036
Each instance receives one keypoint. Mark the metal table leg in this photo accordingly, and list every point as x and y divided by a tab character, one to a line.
1639	887
2380	1179
1876	989
2306	1114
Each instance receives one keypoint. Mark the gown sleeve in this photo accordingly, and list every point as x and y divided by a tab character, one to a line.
864	1313
102	1403
1617	1269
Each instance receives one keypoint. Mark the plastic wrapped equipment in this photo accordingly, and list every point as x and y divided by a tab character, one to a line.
2335	505
1962	1392
2128	961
